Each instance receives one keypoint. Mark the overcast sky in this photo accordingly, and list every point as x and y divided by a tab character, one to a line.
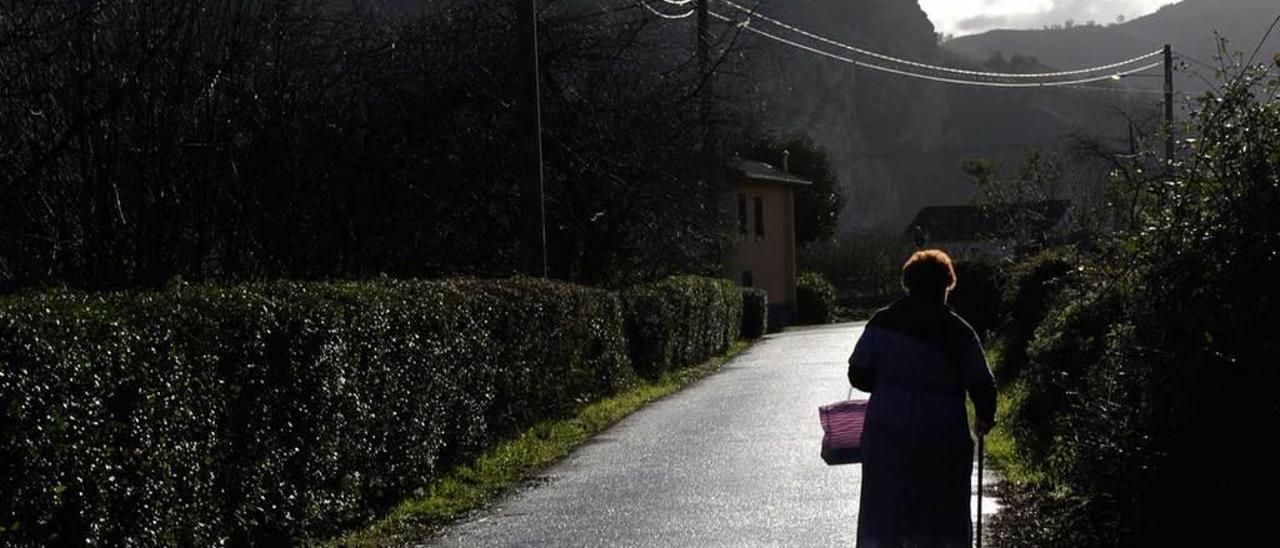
960	17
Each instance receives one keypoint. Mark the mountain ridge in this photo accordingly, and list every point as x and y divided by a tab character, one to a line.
898	143
1188	26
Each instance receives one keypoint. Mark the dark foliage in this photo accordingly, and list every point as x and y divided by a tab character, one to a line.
818	205
234	140
976	296
1032	287
1069	341
755	312
1161	363
816	298
1018	63
272	413
1033	515
862	264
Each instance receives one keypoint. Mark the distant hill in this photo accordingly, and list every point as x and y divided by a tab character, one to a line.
1188	26
898	143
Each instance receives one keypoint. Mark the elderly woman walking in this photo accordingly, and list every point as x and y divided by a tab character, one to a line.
918	359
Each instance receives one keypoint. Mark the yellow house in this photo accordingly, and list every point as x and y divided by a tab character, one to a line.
764	254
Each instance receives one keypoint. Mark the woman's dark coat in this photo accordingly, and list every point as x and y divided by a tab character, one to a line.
918	359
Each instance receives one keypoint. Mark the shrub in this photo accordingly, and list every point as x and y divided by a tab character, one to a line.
1070	339
1030	289
272	413
816	298
976	296
680	321
1165	360
755	312
863	263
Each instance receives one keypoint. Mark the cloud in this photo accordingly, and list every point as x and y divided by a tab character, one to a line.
958	16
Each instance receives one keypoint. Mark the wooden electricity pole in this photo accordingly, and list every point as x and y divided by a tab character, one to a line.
1168	111
533	231
704	72
704	37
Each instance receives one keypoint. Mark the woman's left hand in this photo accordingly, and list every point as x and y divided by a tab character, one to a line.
982	427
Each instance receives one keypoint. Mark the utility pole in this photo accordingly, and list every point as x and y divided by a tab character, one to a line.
1168	111
704	71
533	230
704	38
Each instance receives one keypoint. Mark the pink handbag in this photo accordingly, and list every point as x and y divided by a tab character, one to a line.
842	430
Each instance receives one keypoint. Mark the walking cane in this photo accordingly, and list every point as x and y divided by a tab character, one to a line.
981	450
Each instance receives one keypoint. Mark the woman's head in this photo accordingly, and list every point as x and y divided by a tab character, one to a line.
928	273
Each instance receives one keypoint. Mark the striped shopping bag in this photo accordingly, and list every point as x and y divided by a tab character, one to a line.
842	431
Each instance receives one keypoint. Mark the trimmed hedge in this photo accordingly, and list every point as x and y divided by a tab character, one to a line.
660	338
816	298
272	413
755	312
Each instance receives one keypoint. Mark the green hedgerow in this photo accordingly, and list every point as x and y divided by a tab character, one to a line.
272	413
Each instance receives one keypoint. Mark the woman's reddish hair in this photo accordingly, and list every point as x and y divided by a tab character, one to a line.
928	271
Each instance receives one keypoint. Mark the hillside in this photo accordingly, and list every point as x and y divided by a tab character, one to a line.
898	143
1188	26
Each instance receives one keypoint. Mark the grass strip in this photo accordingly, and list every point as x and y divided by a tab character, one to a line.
1001	445
998	443
472	486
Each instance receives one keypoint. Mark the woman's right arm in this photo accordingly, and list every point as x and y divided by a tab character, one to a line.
981	385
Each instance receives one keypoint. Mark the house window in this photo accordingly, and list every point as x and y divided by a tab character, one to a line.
747	279
759	217
742	215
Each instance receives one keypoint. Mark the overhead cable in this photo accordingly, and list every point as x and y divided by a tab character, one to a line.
665	15
1055	83
746	26
1182	55
1121	90
755	14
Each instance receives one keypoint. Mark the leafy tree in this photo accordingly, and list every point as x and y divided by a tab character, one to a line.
996	62
818	204
864	263
1017	206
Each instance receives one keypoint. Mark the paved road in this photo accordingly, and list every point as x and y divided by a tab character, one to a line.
729	461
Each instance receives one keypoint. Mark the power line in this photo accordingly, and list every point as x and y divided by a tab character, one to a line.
1217	109
1258	48
1011	84
755	14
1119	90
751	12
1183	55
666	15
943	79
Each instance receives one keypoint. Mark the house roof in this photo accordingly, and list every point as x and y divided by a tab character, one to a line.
753	170
968	223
